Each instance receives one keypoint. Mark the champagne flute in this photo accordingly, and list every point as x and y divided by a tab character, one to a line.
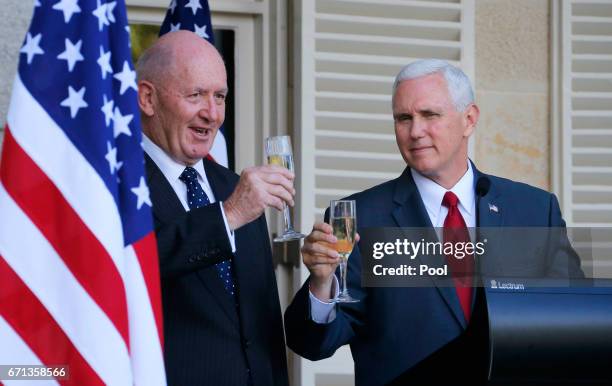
343	219
278	151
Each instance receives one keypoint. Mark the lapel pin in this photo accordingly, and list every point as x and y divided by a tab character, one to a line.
493	208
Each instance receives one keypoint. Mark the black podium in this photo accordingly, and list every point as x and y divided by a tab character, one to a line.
549	332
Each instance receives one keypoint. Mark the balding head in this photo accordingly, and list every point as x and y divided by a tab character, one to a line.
159	60
182	86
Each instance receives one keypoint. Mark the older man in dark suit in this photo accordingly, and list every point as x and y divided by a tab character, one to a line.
222	318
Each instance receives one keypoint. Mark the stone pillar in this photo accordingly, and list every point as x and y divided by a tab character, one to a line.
512	89
13	26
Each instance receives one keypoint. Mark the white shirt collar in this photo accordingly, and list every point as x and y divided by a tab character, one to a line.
167	165
432	193
172	170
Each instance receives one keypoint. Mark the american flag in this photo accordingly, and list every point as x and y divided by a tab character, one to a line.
78	258
194	15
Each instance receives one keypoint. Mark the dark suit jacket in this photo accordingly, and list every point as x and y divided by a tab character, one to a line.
208	341
418	335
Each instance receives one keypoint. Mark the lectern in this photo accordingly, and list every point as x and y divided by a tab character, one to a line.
548	332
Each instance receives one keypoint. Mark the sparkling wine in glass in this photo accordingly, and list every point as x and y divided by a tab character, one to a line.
343	219
278	150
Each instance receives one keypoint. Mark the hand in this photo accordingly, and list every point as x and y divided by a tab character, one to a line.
259	187
321	259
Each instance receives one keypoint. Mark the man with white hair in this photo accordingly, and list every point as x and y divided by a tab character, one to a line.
428	334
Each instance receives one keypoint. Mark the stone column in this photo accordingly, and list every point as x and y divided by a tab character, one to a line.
13	26
512	89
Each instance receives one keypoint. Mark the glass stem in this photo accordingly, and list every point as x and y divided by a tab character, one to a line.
287	218
343	261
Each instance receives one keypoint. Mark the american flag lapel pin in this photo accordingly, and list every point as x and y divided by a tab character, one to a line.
493	208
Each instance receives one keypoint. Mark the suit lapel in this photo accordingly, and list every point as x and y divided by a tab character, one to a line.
210	278
242	260
410	210
165	207
490	220
411	213
165	203
490	208
221	187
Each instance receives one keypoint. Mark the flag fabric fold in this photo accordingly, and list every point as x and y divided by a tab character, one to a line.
78	256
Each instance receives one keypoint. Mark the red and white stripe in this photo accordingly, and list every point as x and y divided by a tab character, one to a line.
19	353
71	292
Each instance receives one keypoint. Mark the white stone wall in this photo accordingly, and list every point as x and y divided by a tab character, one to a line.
513	89
15	20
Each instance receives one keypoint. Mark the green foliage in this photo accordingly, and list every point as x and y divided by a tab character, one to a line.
142	37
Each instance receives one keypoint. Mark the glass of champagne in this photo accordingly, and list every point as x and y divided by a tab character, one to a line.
343	219
278	151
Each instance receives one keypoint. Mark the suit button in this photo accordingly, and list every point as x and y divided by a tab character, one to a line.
246	343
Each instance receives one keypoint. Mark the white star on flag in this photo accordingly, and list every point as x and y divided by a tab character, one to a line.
111	157
142	192
175	27
109	11
94	184
172	6
127	78
104	62
32	47
201	31
121	123
127	29
107	109
68	7
72	53
75	100
194	5
100	13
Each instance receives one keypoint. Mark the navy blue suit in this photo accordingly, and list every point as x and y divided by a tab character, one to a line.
208	340
418	335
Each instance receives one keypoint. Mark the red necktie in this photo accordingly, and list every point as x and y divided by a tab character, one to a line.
455	231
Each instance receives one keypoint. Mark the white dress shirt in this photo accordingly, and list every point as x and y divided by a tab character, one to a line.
432	195
172	170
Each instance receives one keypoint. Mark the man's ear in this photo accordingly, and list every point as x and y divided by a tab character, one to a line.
470	118
146	96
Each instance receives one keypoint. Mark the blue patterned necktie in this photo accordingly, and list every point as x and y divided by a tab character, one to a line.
196	198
